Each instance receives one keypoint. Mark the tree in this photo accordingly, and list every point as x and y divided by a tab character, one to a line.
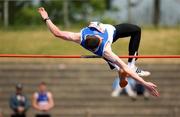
157	12
6	13
11	8
66	13
108	4
24	12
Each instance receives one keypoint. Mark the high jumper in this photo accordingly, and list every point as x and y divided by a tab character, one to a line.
98	38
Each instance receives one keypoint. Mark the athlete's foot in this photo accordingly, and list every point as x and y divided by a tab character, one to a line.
141	72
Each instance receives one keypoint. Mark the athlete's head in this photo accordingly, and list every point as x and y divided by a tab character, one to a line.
92	42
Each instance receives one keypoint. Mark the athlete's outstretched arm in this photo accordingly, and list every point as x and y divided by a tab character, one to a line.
66	35
108	54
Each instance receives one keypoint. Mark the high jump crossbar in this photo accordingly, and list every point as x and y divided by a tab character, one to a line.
81	56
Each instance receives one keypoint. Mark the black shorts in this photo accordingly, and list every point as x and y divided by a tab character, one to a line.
126	30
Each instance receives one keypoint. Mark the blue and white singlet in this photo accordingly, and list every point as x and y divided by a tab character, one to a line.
107	35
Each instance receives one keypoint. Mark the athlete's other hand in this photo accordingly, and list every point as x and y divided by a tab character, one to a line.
43	13
152	88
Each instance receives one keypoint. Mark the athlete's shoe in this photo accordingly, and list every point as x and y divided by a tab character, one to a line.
141	72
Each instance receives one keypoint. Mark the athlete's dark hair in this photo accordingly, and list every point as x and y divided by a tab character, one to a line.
92	42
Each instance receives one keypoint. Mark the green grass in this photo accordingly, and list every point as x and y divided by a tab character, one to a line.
41	41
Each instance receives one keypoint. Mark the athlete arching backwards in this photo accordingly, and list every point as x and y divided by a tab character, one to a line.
98	37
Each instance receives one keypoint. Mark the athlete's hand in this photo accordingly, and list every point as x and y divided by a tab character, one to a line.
43	13
152	88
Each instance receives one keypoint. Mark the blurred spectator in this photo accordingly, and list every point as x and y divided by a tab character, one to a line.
141	90
132	89
19	103
1	115
43	101
129	89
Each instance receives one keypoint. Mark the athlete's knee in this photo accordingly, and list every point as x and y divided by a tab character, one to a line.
138	28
